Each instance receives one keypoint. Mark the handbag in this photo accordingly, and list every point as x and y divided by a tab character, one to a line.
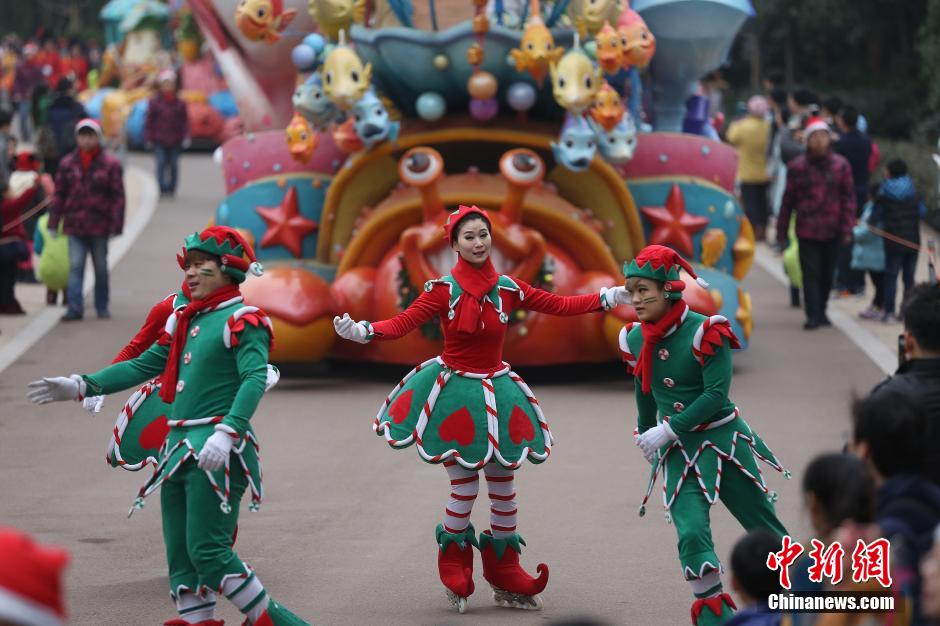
13	250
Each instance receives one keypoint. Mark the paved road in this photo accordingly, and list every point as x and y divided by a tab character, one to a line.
345	535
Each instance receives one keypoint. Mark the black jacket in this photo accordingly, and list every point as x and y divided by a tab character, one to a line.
921	378
908	510
63	115
855	146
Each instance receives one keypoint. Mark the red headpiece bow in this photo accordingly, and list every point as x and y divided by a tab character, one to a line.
462	211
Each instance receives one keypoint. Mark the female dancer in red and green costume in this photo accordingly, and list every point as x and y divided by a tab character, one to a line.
466	410
687	426
212	359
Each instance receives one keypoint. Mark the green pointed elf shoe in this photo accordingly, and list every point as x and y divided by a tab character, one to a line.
512	586
277	615
455	564
712	611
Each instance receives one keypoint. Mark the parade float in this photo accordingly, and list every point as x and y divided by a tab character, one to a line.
366	123
139	36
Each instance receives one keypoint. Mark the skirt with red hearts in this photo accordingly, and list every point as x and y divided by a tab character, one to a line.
473	419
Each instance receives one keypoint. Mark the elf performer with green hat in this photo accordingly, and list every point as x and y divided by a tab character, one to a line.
687	427
212	358
468	411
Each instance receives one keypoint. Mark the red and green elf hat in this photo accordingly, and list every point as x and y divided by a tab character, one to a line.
661	264
462	211
231	248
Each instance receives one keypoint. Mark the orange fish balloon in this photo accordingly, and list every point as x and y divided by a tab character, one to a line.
263	20
537	50
301	139
637	42
609	49
608	107
345	137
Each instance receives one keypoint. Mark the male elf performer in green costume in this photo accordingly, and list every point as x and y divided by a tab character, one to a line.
213	358
687	427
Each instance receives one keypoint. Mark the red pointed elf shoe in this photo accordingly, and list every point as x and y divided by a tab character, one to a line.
277	615
455	564
512	585
206	622
712	611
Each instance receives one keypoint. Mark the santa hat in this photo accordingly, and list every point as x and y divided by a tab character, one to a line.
30	581
231	248
90	124
813	124
166	76
462	211
662	264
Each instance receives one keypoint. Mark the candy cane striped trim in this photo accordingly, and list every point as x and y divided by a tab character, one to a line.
199	421
692	463
237	315
625	353
381	427
158	478
710	425
124	417
700	334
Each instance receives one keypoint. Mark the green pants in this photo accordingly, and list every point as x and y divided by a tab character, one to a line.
197	534
690	513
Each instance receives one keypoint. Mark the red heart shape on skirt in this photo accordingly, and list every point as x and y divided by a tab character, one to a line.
152	436
401	407
520	426
458	427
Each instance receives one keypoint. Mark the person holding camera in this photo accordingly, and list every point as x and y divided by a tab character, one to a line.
919	371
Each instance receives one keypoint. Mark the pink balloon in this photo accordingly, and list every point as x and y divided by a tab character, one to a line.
483	110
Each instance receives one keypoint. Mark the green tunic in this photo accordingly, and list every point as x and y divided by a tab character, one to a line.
221	381
690	391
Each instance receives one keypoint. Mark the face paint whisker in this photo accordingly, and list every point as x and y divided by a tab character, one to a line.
205	271
650	300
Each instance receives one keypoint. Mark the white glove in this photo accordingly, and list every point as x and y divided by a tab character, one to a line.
93	404
636	440
273	376
215	451
614	296
55	389
654	439
347	328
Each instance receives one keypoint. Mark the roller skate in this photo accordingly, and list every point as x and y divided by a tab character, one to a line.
512	586
712	611
455	564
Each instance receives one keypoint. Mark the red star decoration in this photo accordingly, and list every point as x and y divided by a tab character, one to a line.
672	226
286	226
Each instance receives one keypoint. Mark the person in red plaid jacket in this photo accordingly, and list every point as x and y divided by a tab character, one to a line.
821	192
166	130
89	196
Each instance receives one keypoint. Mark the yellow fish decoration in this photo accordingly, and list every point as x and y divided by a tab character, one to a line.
575	80
301	139
590	15
537	48
263	19
345	78
333	16
608	107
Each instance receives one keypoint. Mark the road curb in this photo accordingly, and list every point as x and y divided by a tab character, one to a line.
49	318
867	342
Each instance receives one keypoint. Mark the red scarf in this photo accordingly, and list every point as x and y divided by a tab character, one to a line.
653	332
87	156
476	283
171	372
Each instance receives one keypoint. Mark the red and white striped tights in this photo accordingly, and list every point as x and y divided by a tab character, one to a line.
464	485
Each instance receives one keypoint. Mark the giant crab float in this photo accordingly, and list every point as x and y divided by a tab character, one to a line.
399	120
